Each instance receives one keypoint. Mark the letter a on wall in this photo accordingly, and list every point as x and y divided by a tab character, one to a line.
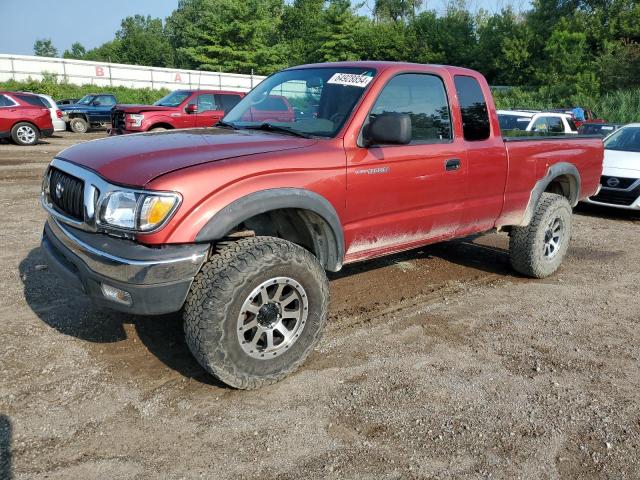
178	78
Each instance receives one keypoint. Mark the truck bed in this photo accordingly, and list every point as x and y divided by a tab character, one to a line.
530	158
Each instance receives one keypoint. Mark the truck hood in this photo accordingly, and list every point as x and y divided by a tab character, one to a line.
144	108
137	159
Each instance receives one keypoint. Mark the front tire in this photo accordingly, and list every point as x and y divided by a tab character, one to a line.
256	310
78	125
538	249
25	134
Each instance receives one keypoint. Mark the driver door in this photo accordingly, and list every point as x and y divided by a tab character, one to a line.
398	195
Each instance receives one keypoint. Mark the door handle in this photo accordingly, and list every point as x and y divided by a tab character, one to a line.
452	164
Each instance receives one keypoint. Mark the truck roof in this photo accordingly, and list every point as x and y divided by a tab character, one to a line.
385	65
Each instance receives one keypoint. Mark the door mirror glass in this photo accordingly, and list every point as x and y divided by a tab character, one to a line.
192	108
389	128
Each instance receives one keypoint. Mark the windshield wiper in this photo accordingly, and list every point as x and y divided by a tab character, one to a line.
270	127
224	124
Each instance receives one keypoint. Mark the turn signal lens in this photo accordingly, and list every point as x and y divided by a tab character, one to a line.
155	210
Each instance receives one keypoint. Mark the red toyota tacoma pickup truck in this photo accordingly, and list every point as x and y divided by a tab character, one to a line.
179	109
235	226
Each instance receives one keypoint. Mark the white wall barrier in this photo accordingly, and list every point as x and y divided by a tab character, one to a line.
80	72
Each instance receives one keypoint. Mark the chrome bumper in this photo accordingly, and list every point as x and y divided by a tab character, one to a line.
154	280
159	266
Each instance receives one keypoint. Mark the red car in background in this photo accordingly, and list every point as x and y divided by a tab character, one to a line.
179	109
24	118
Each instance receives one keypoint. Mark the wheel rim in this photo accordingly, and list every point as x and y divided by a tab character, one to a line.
26	134
272	318
553	236
79	126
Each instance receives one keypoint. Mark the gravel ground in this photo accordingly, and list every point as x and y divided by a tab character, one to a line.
437	363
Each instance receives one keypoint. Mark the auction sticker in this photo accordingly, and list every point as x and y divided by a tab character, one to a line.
350	79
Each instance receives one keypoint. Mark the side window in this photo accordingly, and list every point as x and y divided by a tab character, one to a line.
473	107
555	125
206	103
572	125
227	102
5	102
32	100
541	125
424	99
106	100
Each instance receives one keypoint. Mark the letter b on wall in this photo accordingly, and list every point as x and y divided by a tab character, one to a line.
99	71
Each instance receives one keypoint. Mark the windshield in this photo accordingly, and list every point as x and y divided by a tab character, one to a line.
173	99
626	139
86	100
311	101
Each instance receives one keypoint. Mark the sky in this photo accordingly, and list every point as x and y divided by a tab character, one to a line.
93	22
89	22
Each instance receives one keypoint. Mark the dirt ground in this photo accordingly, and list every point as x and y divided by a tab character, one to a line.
437	363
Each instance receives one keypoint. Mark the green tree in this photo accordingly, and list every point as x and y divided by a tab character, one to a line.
43	47
142	41
568	69
395	10
336	41
229	35
77	51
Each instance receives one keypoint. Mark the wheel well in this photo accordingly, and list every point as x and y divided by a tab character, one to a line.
161	125
299	226
565	185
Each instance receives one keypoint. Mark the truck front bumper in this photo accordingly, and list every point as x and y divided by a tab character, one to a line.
121	274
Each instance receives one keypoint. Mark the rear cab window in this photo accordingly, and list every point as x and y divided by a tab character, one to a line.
473	108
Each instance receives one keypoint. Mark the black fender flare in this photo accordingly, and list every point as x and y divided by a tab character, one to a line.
264	201
555	171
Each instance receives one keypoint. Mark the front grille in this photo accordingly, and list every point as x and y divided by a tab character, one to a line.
617	197
67	193
118	120
622	182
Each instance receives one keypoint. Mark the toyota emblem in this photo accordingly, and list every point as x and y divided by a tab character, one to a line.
612	182
59	190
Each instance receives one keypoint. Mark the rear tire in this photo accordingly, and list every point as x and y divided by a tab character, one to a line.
538	249
78	125
256	310
158	129
25	134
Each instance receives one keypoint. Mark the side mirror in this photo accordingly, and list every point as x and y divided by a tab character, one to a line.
192	108
389	128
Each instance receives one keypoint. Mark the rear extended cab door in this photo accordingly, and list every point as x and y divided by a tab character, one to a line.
399	196
486	155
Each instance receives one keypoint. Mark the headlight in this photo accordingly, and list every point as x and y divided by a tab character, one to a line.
136	119
137	211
